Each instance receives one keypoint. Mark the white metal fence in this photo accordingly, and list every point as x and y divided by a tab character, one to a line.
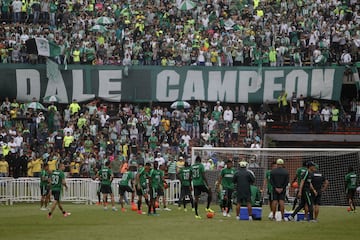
80	190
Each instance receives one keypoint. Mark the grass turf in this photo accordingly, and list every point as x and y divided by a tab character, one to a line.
26	221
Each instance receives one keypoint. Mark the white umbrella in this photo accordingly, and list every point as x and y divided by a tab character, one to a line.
35	106
104	20
52	98
186	5
98	28
180	105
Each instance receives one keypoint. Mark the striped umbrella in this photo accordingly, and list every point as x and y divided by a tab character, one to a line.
98	28
180	105
52	98
104	20
35	106
186	5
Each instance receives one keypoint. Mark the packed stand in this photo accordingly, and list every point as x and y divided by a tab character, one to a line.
211	33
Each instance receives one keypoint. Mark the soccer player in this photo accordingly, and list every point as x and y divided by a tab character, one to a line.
106	176
185	178
306	191
126	184
226	181
299	174
350	187
243	179
44	187
320	184
57	179
161	189
268	187
200	184
279	179
156	180
141	185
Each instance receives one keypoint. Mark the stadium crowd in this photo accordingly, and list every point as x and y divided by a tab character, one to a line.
211	33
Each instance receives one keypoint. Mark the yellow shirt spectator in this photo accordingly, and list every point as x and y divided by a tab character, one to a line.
74	168
29	169
68	139
52	164
74	107
4	168
36	166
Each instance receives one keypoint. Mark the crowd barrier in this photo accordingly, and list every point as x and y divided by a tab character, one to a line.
80	190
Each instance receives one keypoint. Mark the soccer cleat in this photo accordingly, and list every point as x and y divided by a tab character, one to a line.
224	213
98	203
313	221
49	216
179	208
114	209
197	217
250	218
123	209
140	212
237	218
193	209
185	210
105	208
44	209
291	218
209	210
167	209
228	215
67	214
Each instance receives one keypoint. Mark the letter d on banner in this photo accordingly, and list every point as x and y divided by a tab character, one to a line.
28	84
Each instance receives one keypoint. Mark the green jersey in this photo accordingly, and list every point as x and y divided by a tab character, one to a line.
44	178
351	180
105	174
255	196
143	175
126	179
156	176
227	175
268	184
185	176
300	173
57	178
197	171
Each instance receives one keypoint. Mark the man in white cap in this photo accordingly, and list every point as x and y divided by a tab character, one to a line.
243	179
279	179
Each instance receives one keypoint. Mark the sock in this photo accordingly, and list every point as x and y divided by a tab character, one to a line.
208	201
139	204
196	208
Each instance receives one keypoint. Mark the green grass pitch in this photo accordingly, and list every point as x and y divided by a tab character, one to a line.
88	222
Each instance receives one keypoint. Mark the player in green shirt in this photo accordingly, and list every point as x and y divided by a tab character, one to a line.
350	187
156	182
227	184
200	185
267	185
185	178
57	178
141	185
299	175
44	187
106	176
126	185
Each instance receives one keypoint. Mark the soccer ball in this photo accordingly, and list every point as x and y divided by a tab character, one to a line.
210	215
294	185
348	209
133	207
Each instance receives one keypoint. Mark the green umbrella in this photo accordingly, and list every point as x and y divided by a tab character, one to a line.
35	106
98	28
104	20
180	105
52	98
186	5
